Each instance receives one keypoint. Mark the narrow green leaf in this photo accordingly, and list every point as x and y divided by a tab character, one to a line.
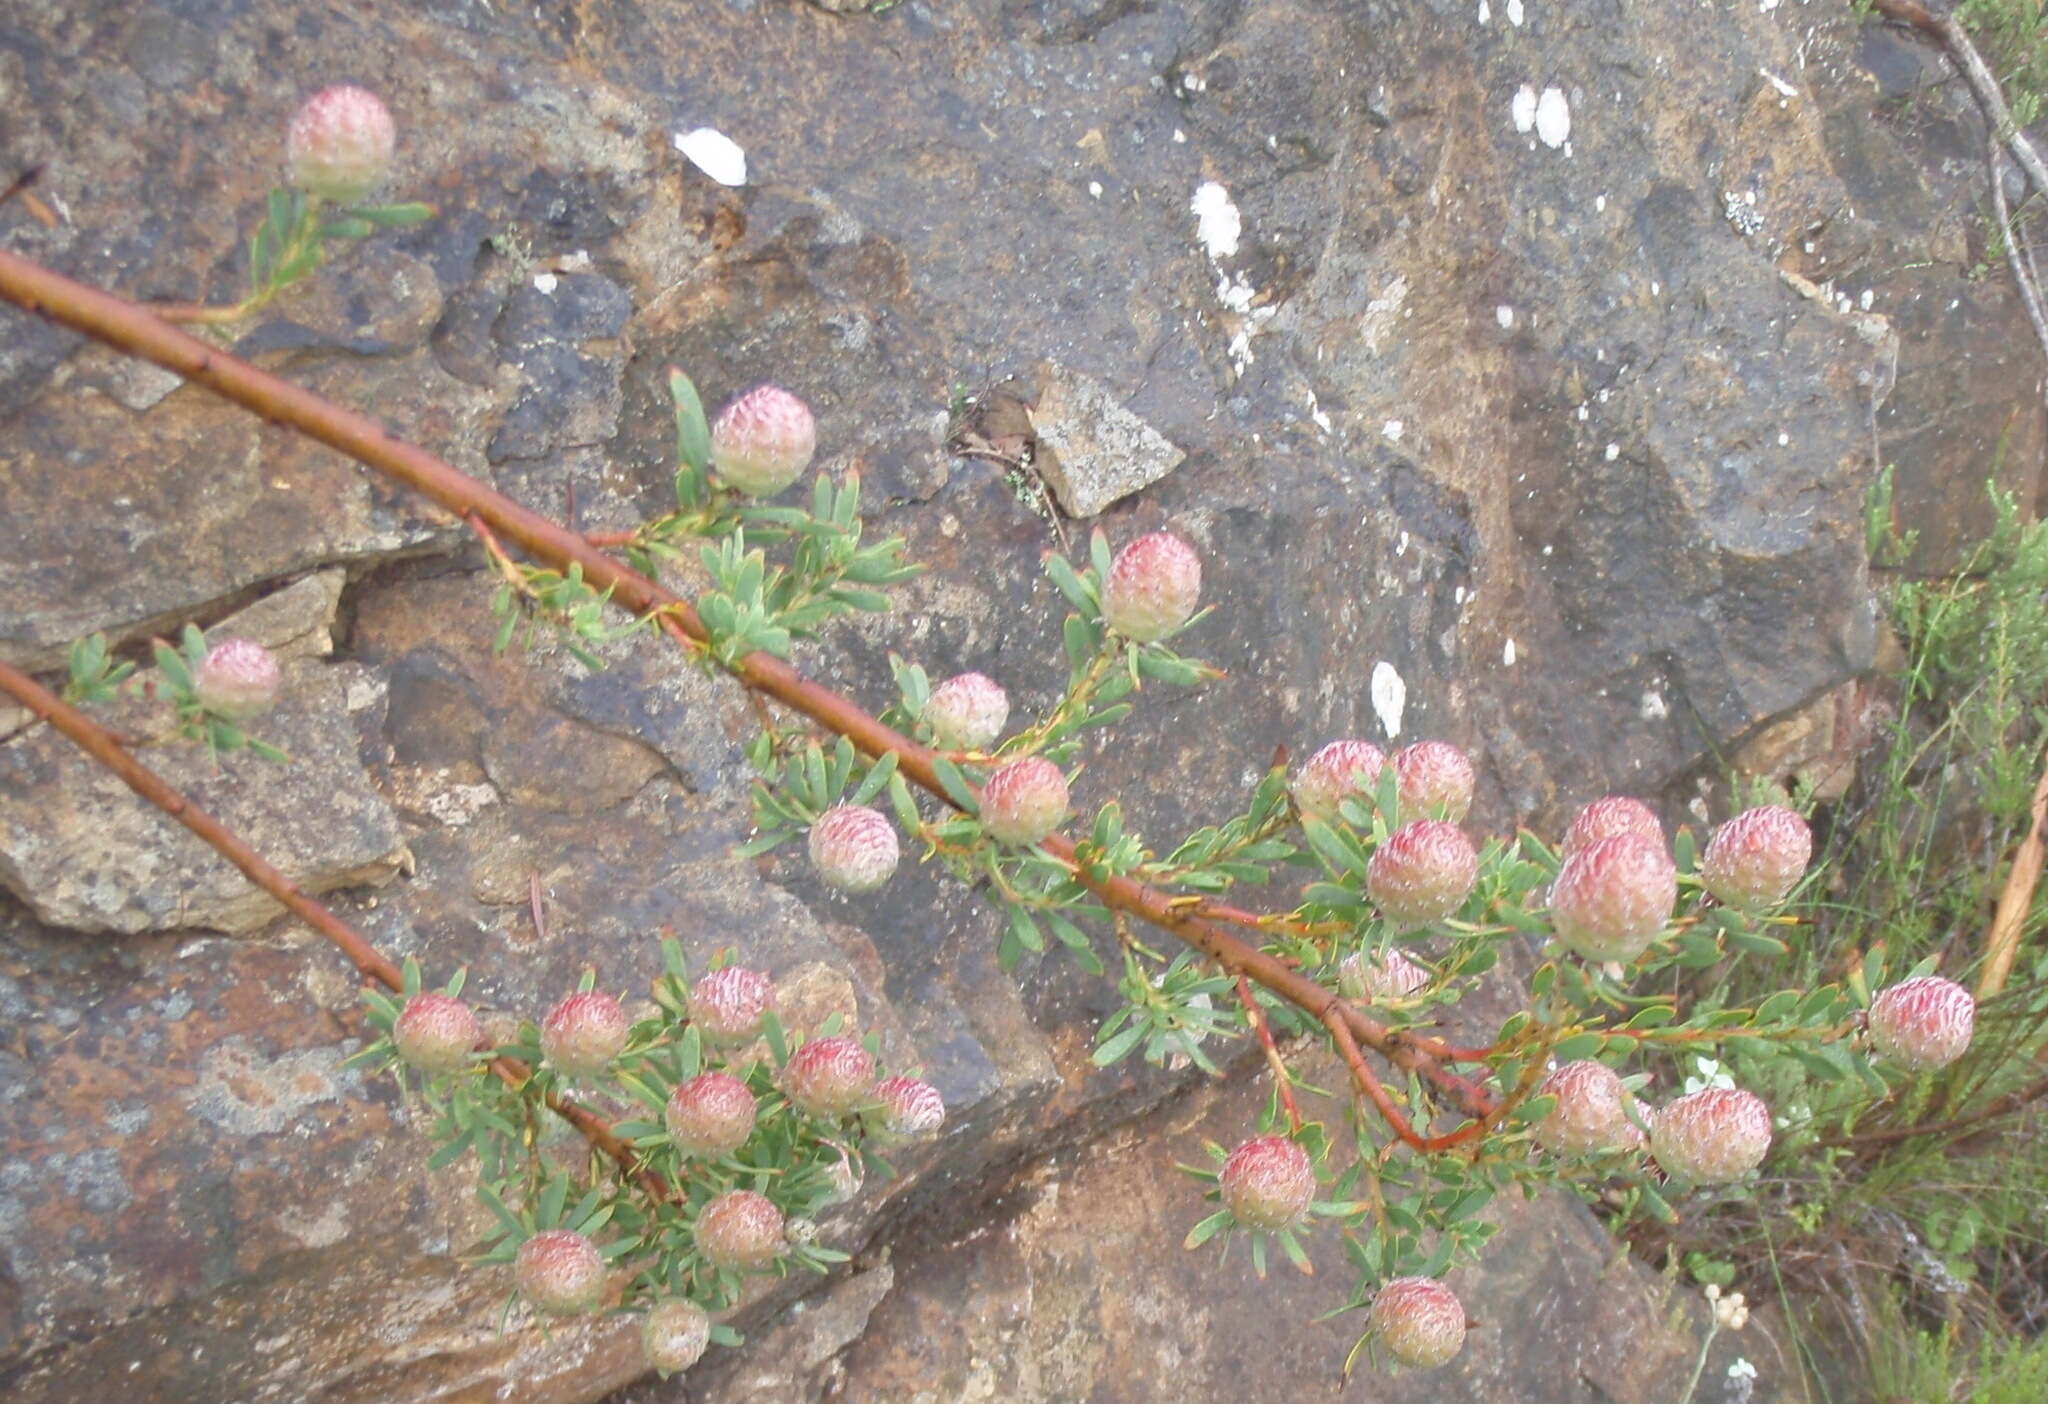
693	432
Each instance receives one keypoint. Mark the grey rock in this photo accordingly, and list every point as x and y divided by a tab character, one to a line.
1091	451
87	854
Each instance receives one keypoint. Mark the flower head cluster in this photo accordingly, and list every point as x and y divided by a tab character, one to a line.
1152	587
583	1033
763	441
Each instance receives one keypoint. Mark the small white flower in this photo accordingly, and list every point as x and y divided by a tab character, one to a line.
1741	1370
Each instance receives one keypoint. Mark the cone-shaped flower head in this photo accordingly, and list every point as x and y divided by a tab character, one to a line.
340	143
1436	781
1712	1136
763	441
1591	1112
1613	896
675	1335
1336	772
1024	801
584	1032
1360	976
741	1230
1757	858
727	1005
910	1108
1153	586
830	1076
436	1033
1422	872
710	1115
1418	1321
1268	1183
967	713
853	847
560	1272
1608	816
1923	1023
237	679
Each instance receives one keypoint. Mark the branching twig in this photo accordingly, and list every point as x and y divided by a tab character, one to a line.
89	736
2001	1106
130	328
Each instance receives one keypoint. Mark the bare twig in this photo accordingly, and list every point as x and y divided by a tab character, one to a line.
2003	1106
2016	254
89	736
1283	1081
128	327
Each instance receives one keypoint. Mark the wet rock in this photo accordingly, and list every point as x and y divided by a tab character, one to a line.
86	853
1091	450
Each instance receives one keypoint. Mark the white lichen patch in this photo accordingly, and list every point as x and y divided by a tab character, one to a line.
1553	118
1217	222
1507	653
1393	429
1522	107
247	1094
1389	697
1382	313
714	153
1514	11
1505	315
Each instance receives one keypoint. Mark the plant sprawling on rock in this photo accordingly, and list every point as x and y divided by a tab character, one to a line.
736	1136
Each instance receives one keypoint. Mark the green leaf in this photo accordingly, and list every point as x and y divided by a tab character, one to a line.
452	1152
879	774
1207	1229
901	801
693	433
1070	584
1585	1045
346	227
1026	929
394	216
954	783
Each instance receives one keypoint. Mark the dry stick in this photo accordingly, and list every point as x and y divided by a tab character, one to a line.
2002	937
2003	1106
127	327
2016	254
89	736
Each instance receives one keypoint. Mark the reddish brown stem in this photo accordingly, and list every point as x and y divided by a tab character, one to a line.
130	328
1366	1078
1281	1080
89	736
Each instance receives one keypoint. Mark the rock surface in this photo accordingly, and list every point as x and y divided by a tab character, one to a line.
1545	421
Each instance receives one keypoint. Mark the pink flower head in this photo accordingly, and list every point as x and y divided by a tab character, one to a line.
1436	781
1360	976
436	1033
830	1076
1923	1023
237	680
340	143
710	1115
1612	897
728	1005
1591	1112
853	847
763	441
967	713
1611	815
740	1230
1268	1183
674	1335
1712	1136
1335	773
560	1272
1418	1321
583	1033
1153	586
1757	858
1024	801
909	1108
1422	872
